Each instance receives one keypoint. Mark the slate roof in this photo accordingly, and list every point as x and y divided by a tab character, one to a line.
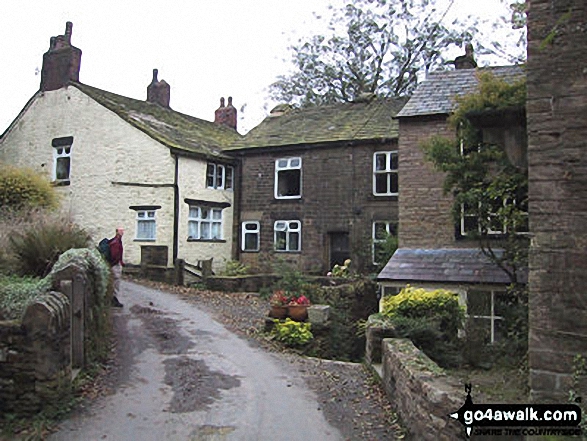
367	120
173	129
436	94
446	265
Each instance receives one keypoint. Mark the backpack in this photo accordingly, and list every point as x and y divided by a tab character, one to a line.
104	248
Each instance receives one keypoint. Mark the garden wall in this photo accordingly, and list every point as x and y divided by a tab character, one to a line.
422	394
35	366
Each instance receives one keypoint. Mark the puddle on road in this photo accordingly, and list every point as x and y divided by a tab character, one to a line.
195	386
168	338
211	433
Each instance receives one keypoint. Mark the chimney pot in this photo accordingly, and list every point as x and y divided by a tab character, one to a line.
226	115
158	92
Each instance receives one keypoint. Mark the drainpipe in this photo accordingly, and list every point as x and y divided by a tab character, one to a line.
176	210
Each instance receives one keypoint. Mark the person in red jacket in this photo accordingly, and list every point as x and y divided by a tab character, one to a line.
116	251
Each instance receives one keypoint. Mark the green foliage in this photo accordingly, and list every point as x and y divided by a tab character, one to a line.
370	47
292	333
235	268
17	293
385	250
482	178
342	271
25	189
39	246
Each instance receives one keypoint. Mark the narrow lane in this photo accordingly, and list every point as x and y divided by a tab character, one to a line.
183	376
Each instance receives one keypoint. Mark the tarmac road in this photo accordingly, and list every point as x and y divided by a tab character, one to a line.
183	376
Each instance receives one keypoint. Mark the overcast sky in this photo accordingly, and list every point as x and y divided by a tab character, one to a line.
205	49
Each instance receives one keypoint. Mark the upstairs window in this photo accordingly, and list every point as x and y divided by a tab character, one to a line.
220	177
205	223
288	178
250	236
287	235
385	180
62	158
470	219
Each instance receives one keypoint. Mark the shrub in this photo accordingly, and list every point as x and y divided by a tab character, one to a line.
235	268
24	189
431	319
292	333
38	246
17	293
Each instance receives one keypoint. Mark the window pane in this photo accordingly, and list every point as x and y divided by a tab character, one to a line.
294	225
229	178
145	229
151	214
394	184
210	175
205	213
62	168
251	226
205	232
251	242
140	214
294	162
219	176
193	212
393	161
216	230
216	214
280	226
501	300
381	183
479	303
280	240
282	163
380	230
294	241
193	229
288	183
380	162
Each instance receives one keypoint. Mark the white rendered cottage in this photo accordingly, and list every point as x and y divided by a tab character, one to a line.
118	161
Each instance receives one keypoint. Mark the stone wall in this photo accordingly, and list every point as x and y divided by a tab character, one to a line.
423	396
557	156
424	210
35	360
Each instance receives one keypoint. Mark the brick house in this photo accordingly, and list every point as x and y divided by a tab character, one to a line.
118	161
319	185
557	157
434	250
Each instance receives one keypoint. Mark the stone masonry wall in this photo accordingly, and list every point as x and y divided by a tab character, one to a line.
423	396
337	196
557	154
35	367
424	210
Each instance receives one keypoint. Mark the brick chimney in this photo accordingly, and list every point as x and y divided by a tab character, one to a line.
466	61
61	63
158	92
226	115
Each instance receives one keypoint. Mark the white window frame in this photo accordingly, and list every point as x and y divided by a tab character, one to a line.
284	165
246	232
146	217
60	152
492	317
490	232
222	176
206	223
287	228
388	171
389	226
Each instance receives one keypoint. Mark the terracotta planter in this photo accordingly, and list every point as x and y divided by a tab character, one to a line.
278	311
299	313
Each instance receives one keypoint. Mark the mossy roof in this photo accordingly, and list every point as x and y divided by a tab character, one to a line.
173	129
371	119
436	94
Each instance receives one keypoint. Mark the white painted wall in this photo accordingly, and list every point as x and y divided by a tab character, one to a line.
105	149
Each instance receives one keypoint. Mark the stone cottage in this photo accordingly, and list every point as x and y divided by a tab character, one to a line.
319	184
117	161
434	251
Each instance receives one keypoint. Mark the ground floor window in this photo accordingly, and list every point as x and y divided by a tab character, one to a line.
380	236
486	309
287	235
250	236
205	223
146	222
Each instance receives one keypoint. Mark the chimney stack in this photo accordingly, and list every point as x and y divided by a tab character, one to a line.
158	92
61	63
226	115
466	61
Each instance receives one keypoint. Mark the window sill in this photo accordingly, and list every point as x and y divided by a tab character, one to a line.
288	252
287	198
250	251
63	183
144	240
191	239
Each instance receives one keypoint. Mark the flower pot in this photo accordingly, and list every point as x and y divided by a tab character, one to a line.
299	313
278	311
